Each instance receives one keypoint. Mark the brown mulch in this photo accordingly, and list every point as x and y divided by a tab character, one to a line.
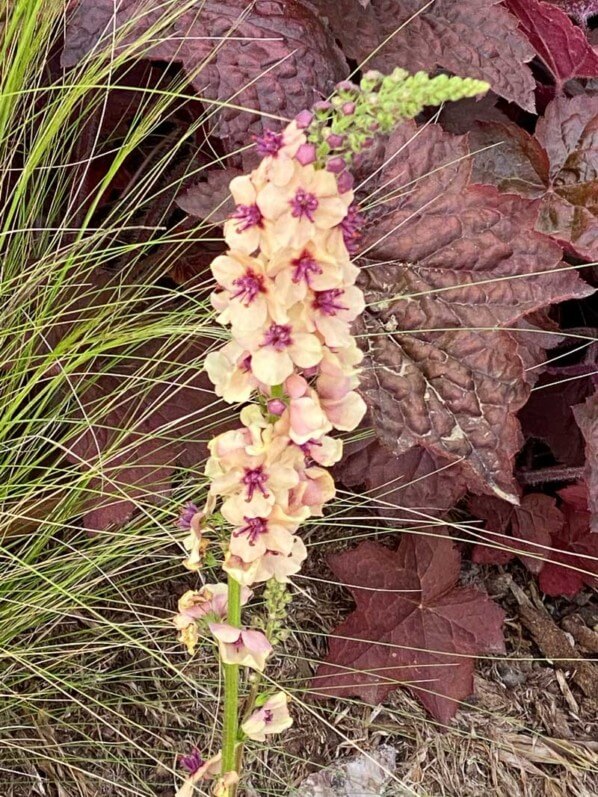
529	730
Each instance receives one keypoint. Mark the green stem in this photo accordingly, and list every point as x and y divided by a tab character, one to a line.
231	687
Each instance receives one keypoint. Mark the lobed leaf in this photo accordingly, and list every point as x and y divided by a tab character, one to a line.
267	58
558	167
574	556
586	415
406	486
478	39
449	263
562	46
412	625
532	526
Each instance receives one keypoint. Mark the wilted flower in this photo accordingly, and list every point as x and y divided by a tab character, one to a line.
199	770
210	602
278	566
222	786
306	418
196	542
272	717
314	490
242	646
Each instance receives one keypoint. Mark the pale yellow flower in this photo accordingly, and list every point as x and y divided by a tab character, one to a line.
306	205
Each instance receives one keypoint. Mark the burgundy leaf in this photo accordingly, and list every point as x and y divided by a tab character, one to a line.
586	415
579	10
549	401
210	198
406	487
561	45
575	546
134	437
412	625
475	39
450	262
532	526
559	166
268	58
534	335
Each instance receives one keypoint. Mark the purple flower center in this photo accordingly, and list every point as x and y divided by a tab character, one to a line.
304	204
254	526
248	286
255	479
187	514
269	143
248	216
268	716
303	268
328	301
278	336
307	447
192	762
351	229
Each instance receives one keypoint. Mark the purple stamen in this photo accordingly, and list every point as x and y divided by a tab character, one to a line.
254	526
303	267
248	286
278	336
187	514
304	204
268	716
248	216
326	301
270	143
351	228
192	762
254	479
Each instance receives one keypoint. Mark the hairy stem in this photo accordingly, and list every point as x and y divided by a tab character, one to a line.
557	473
231	689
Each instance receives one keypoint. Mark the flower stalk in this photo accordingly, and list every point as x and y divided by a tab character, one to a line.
230	725
287	289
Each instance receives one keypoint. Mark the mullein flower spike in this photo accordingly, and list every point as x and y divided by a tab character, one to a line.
287	290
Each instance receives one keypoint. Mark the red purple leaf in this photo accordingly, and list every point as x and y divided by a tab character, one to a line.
412	625
579	10
284	62
586	415
134	438
531	525
574	556
559	167
475	39
562	46
407	486
210	198
450	263
554	400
